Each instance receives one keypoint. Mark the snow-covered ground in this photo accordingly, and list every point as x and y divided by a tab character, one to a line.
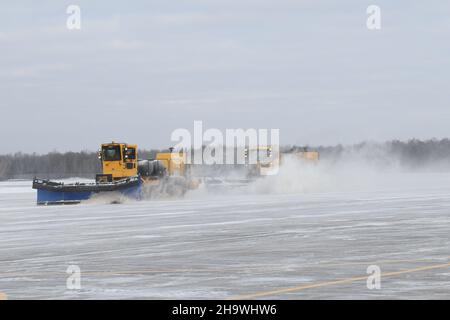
250	241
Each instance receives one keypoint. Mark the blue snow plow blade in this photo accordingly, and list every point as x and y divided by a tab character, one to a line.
51	192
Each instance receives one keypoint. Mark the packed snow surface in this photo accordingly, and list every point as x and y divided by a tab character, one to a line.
269	239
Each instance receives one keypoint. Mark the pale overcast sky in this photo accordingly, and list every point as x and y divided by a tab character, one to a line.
137	70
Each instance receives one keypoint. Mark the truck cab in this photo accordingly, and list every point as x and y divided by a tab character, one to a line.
119	161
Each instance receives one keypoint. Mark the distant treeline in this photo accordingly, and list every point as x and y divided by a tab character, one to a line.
413	153
54	164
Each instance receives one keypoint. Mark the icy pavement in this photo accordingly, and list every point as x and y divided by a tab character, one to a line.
215	247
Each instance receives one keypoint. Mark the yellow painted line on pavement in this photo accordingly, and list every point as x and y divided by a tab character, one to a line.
261	269
336	282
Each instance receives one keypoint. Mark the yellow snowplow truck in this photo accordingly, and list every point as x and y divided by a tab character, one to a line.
267	160
122	172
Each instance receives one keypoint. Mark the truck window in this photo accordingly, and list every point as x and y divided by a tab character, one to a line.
130	153
111	153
